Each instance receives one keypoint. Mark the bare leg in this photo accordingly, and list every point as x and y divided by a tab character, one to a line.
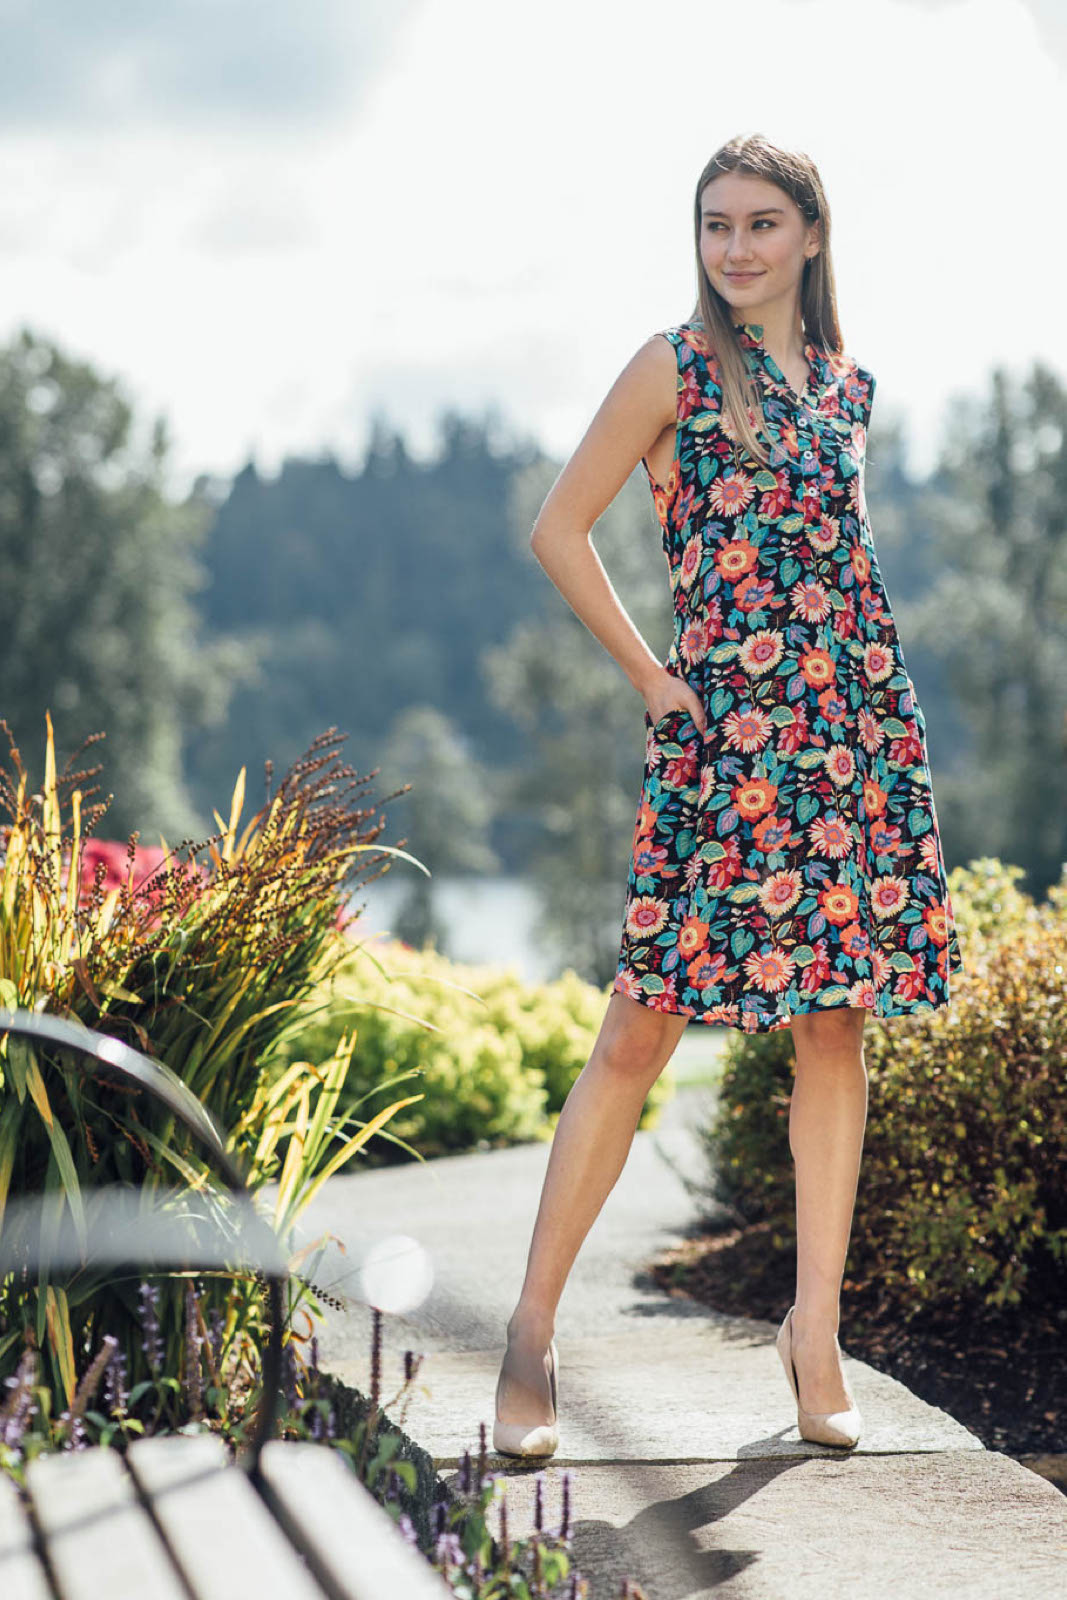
827	1118
589	1149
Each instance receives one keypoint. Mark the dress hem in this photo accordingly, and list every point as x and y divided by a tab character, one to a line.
775	1021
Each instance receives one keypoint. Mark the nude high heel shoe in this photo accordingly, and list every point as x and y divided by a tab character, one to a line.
818	1427
525	1438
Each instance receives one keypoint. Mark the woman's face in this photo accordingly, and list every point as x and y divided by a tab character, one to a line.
753	242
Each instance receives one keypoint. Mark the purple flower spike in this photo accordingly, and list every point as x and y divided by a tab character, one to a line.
152	1343
448	1551
289	1374
73	1429
19	1407
565	1522
215	1326
116	1397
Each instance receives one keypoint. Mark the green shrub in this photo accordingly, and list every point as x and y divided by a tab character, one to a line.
991	905
747	1138
494	1057
963	1190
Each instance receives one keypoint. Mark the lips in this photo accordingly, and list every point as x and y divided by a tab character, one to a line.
741	275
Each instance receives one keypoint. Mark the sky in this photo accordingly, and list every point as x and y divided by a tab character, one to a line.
273	221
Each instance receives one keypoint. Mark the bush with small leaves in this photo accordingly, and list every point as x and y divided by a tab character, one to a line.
962	1195
493	1056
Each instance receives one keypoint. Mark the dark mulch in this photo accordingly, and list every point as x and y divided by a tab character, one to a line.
1003	1375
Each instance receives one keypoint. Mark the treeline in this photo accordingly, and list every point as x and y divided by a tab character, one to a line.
361	595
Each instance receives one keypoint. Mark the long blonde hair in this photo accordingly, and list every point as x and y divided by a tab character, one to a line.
796	174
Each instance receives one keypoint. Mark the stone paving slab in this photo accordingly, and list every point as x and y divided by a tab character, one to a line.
695	1391
957	1525
678	1422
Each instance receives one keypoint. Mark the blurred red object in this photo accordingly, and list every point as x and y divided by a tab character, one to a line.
147	860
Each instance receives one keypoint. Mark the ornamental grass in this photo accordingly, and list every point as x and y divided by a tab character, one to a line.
203	959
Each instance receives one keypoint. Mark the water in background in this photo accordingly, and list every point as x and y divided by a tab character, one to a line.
488	919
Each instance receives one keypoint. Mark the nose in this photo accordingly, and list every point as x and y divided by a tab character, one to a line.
739	250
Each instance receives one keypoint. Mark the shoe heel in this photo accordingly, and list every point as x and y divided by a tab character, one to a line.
784	1345
531	1440
841	1428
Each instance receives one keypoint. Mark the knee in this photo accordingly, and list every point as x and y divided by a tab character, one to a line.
832	1036
636	1042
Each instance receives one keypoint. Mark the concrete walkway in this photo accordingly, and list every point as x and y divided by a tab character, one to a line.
689	1473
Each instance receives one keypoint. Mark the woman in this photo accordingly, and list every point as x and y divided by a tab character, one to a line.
786	868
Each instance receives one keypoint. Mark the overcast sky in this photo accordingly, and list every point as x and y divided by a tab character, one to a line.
271	219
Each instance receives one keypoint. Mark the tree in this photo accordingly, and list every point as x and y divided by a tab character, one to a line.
445	818
97	623
584	728
363	593
996	612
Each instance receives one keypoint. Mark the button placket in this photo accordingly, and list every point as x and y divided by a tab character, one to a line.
798	409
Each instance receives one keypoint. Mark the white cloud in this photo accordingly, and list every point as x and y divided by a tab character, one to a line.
503	214
189	62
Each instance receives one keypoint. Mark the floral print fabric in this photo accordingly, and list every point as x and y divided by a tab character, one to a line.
790	860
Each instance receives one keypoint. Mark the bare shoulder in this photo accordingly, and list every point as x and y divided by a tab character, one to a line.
662	346
657	357
639	405
648	382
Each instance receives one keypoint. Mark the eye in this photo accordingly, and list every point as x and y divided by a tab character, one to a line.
711	224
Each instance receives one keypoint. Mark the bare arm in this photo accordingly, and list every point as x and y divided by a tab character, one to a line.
639	405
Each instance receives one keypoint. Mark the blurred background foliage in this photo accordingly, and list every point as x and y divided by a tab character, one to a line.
401	603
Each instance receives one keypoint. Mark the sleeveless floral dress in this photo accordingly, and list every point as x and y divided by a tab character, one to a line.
790	860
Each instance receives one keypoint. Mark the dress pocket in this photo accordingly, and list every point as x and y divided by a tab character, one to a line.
673	757
675	723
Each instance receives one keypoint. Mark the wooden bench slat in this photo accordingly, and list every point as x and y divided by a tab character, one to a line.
351	1541
22	1576
99	1538
221	1534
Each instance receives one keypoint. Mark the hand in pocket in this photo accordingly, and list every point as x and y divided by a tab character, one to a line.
671	696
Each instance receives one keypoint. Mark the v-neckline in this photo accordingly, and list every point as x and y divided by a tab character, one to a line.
752	334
